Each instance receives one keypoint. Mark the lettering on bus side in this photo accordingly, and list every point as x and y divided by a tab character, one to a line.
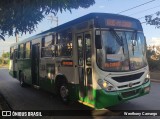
67	63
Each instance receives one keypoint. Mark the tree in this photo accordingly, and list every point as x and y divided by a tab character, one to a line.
5	58
5	55
22	16
153	20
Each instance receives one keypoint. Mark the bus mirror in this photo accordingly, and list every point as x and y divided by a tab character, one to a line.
145	40
53	50
134	42
98	42
145	43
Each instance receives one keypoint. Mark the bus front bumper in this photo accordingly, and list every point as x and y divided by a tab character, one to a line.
107	99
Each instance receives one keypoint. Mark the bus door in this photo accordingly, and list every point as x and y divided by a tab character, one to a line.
35	64
15	63
84	65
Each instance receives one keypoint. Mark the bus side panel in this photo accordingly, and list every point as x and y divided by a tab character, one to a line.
11	71
24	66
69	72
47	74
27	71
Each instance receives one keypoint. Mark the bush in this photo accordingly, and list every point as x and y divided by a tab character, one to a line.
0	61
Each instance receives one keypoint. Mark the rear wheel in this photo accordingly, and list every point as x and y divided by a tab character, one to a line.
21	80
64	92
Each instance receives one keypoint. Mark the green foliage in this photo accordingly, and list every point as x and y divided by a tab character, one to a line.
4	60
6	55
21	16
0	60
153	21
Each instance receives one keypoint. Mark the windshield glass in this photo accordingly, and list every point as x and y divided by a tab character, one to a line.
121	51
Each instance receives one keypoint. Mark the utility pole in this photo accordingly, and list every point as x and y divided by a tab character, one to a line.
17	37
53	18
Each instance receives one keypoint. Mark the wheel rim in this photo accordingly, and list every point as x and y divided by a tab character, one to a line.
21	81
63	92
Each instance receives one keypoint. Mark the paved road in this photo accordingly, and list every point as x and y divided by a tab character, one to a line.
32	99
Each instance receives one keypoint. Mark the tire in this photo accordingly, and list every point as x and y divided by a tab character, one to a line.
64	93
21	80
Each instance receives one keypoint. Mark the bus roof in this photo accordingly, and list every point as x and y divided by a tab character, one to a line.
137	24
93	16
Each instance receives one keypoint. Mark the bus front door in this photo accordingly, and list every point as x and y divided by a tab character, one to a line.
84	65
35	64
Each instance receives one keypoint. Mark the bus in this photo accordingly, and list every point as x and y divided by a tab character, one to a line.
98	60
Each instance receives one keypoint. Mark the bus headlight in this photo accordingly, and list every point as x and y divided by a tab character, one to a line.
146	79
106	85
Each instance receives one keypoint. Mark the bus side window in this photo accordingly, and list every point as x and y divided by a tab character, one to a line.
15	55
20	51
88	49
53	45
80	50
11	53
65	44
24	49
48	46
27	50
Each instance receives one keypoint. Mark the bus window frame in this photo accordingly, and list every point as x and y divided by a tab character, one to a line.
25	50
44	47
11	52
19	51
60	41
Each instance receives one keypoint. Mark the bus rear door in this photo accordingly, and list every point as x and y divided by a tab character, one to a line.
35	64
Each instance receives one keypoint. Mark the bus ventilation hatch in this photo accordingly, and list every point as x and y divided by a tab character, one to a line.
128	78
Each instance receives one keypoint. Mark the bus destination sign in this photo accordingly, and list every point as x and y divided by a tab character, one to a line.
118	23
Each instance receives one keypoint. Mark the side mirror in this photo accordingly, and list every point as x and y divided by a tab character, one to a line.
98	40
134	42
53	50
145	43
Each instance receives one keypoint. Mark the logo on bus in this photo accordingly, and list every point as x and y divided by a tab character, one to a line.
130	84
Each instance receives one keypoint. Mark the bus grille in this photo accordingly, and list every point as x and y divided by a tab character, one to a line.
128	78
124	86
130	93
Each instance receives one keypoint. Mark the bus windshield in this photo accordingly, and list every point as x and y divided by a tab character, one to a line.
121	51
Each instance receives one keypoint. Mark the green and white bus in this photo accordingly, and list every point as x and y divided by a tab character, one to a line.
98	59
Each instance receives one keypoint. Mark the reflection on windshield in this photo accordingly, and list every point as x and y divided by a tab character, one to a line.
118	52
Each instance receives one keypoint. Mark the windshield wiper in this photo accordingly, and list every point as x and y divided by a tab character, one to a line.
118	39
133	41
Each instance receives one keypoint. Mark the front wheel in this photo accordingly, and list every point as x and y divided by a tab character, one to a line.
64	93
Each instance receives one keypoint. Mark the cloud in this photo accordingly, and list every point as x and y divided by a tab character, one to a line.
154	41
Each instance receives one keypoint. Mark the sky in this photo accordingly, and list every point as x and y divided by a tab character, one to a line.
105	6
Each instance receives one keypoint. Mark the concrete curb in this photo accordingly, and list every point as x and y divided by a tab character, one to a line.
155	80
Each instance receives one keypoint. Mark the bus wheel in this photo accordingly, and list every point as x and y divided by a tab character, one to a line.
21	80
64	93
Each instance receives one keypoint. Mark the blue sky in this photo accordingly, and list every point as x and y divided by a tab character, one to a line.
106	6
